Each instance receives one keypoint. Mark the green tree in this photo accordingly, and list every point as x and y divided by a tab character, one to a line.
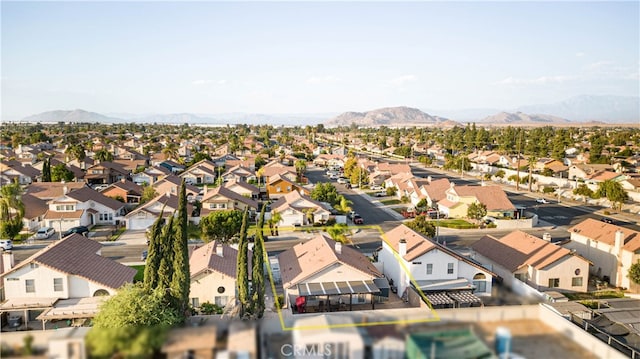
391	191
46	170
11	210
422	225
133	324
500	174
276	217
221	225
338	232
60	173
180	280
103	156
614	192
634	272
583	190
476	210
301	167
344	205
325	192
243	270
257	265
76	151
154	253
148	193
165	269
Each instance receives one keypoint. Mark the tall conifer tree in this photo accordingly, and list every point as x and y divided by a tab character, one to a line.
242	269
257	277
154	254
180	281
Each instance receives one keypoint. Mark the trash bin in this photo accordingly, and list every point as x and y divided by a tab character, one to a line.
503	341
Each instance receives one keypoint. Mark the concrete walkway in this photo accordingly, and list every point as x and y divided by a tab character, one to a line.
133	236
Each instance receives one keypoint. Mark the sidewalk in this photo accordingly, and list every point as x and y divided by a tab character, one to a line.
377	203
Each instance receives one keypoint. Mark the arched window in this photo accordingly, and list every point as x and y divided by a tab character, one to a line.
100	293
479	281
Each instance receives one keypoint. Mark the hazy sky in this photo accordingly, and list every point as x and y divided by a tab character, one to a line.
306	57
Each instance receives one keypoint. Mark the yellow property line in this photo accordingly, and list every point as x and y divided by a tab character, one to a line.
435	318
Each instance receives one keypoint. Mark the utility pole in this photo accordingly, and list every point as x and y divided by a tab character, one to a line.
518	164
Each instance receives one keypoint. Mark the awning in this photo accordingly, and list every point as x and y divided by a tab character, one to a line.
27	303
464	297
439	299
337	288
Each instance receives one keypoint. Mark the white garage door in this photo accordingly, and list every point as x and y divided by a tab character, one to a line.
140	223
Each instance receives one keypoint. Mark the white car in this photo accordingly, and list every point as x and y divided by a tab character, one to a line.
541	200
6	244
376	188
44	233
342	180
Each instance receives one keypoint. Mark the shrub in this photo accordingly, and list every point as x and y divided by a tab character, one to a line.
548	190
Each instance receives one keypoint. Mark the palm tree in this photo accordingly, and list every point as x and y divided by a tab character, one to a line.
301	166
339	232
309	214
103	155
343	205
170	151
11	210
276	218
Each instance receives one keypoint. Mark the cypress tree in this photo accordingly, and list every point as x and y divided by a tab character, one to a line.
257	277
242	270
180	281
154	254
165	269
46	170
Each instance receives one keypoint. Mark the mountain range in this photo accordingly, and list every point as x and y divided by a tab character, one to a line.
594	109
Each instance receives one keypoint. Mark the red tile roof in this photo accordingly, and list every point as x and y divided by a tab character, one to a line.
606	233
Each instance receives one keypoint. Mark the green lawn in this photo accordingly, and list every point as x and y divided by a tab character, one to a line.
139	277
595	295
118	233
388	202
455	223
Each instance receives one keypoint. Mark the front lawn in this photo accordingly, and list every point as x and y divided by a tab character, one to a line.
139	277
455	223
388	202
605	294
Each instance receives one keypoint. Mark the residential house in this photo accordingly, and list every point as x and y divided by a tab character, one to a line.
274	168
200	342
409	258
150	175
132	165
69	268
105	173
222	198
165	204
203	172
246	162
23	173
34	212
458	199
612	249
432	192
125	153
239	174
326	273
244	189
83	207
297	209
128	191
278	186
213	274
329	160
539	263
601	176
583	171
171	184
51	190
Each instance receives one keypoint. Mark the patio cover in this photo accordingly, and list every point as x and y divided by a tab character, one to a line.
443	285
73	308
27	303
337	288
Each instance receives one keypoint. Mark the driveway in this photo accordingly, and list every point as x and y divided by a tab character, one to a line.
133	236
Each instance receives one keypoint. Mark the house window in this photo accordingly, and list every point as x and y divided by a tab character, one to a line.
33	265
362	297
223	205
449	268
220	300
479	281
30	285
221	289
429	268
106	216
576	282
212	206
288	188
554	282
65	208
278	189
195	302
57	284
521	277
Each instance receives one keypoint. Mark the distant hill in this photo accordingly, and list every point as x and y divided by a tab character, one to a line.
390	116
520	118
586	108
70	116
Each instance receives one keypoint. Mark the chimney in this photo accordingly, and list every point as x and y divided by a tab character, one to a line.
402	248
65	190
8	261
83	165
619	240
123	180
219	250
451	185
206	188
338	247
547	237
167	194
429	179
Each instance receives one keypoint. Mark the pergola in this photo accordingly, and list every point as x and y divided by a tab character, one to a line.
26	305
329	289
73	309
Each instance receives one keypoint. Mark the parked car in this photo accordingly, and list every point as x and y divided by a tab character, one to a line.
376	188
380	194
342	180
45	233
6	244
79	229
101	187
143	256
607	220
542	200
358	220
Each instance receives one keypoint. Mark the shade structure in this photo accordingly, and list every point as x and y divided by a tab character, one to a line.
338	288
